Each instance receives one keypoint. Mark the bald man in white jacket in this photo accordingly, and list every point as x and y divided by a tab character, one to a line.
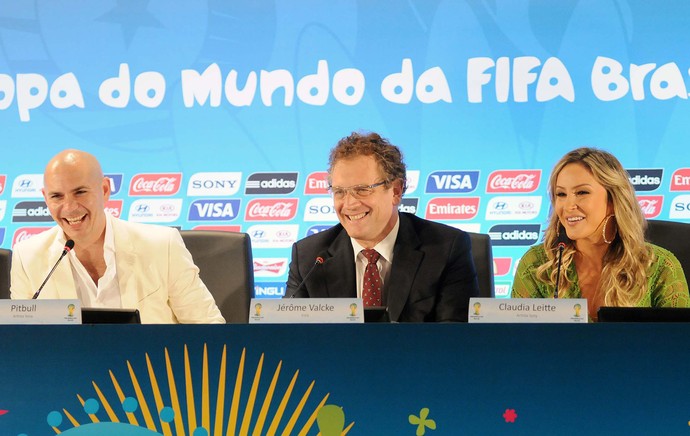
114	263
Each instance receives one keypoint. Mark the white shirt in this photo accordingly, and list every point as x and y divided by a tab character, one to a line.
107	292
385	249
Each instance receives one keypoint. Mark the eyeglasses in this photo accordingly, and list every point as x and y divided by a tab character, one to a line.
357	191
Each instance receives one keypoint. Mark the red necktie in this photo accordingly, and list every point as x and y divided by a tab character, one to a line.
371	288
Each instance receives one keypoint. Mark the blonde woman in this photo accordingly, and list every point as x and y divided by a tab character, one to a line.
605	259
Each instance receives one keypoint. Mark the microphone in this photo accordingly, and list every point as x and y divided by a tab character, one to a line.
562	239
69	245
320	260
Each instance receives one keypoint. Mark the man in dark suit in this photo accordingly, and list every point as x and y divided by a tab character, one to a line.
420	270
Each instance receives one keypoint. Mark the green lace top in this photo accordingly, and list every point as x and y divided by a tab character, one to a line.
666	283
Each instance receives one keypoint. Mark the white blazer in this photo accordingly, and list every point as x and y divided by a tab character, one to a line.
155	272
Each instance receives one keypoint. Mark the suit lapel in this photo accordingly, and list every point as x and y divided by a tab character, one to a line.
339	270
126	264
406	261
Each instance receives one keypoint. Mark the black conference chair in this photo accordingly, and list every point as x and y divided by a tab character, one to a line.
226	267
5	266
673	236
483	263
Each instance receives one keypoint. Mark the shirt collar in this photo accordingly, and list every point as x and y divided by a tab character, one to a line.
108	239
385	247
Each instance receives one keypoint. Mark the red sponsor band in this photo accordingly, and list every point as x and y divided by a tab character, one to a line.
317	183
155	184
452	208
651	205
24	233
680	180
272	267
114	208
502	265
507	181
271	209
3	182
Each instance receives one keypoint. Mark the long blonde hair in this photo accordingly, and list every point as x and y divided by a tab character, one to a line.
624	275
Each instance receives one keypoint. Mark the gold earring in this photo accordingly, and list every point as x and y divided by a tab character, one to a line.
603	229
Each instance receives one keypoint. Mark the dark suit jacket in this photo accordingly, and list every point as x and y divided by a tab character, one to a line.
432	277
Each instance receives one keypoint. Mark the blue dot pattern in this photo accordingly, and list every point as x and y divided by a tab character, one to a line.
167	414
130	405
91	406
371	288
54	419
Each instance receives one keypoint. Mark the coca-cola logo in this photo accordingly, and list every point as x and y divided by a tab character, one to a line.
24	233
651	205
271	209
155	184
513	181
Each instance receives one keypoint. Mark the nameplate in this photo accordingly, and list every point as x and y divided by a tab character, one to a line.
526	310
306	311
40	312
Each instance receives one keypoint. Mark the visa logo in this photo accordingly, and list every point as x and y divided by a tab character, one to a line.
452	181
213	210
115	183
317	229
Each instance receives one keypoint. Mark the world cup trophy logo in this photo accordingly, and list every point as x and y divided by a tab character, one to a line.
353	309
577	309
257	309
477	307
70	310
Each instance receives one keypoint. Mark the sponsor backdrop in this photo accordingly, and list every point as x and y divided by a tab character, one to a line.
220	114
